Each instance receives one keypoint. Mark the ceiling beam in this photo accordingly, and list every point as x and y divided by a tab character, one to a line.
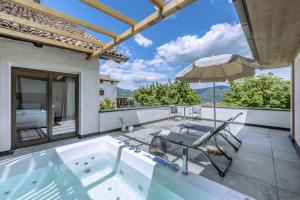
166	11
109	11
158	3
38	7
46	41
48	28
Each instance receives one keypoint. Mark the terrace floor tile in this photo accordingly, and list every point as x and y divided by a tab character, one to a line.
250	186
261	171
288	175
286	195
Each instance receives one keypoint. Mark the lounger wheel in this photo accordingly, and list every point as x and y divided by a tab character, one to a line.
222	174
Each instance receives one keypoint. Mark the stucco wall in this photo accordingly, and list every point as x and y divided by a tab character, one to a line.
274	118
297	98
22	54
110	90
110	120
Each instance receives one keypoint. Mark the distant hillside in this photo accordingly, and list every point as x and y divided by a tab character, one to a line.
124	92
207	95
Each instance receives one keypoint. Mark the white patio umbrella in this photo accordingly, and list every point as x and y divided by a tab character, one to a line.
218	69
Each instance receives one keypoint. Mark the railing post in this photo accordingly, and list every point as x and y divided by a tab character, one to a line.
185	159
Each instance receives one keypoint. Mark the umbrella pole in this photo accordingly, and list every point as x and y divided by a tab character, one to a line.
215	126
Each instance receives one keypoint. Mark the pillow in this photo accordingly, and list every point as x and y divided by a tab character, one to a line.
201	139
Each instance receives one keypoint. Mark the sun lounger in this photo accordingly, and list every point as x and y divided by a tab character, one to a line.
224	133
187	141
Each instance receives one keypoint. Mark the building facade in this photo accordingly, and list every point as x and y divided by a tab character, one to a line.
108	87
49	90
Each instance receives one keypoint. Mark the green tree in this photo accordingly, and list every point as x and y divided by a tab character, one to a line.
263	91
165	94
107	104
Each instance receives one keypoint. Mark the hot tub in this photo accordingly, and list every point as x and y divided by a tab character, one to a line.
102	169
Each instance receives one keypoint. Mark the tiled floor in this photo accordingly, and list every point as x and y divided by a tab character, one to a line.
266	166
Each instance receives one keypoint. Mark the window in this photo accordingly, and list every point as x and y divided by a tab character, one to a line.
101	92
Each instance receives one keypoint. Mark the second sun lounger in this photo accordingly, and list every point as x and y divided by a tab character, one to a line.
226	131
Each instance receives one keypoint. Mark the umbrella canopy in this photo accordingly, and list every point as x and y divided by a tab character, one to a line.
219	69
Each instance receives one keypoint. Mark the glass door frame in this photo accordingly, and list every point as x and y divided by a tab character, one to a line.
38	74
52	137
15	71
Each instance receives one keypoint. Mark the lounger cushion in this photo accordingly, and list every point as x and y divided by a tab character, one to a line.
197	127
164	133
181	139
202	139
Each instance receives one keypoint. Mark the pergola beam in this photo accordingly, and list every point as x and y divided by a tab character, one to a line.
48	28
158	3
33	38
166	11
35	6
109	11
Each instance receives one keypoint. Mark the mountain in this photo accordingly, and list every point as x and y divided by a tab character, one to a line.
207	95
124	92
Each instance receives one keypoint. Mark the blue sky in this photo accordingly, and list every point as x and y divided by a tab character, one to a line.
205	28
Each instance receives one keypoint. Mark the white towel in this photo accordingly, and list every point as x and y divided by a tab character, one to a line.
164	133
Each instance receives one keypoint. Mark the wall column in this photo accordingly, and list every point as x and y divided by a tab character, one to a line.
296	100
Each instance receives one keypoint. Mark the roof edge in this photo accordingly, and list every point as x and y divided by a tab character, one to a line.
114	58
242	11
104	77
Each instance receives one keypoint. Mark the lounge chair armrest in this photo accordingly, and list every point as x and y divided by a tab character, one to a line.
202	139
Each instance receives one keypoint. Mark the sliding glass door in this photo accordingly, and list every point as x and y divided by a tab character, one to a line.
30	107
44	106
63	105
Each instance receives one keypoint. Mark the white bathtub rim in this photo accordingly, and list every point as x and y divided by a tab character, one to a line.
207	185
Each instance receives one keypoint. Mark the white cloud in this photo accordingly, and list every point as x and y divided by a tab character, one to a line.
132	74
221	38
142	41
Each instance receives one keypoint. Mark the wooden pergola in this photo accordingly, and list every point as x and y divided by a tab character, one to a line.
163	10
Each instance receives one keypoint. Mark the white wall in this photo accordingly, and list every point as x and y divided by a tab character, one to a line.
275	118
297	98
110	90
22	54
110	120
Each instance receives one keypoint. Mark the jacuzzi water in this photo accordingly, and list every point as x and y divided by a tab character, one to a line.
105	175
